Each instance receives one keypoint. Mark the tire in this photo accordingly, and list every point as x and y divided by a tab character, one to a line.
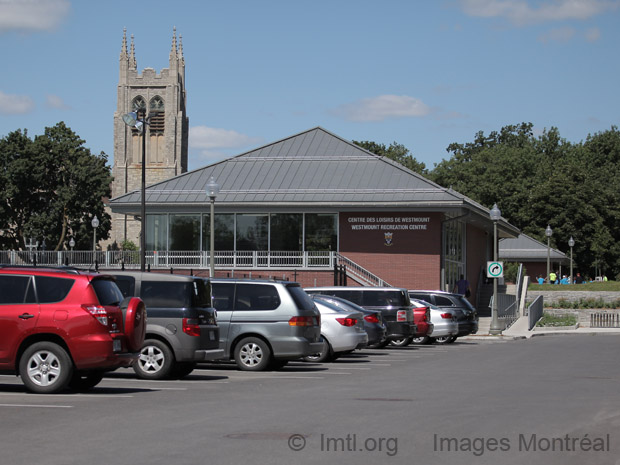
422	340
404	342
325	356
445	339
134	314
156	360
83	381
45	368
182	369
252	354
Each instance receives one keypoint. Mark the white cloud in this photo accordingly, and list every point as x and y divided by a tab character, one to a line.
520	13
15	104
203	137
54	101
383	107
563	34
32	15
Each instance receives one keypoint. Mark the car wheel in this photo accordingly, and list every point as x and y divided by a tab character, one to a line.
404	342
445	339
324	356
45	368
182	369
83	381
421	340
252	354
156	360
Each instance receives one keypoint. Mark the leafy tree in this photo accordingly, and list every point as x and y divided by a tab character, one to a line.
52	186
397	152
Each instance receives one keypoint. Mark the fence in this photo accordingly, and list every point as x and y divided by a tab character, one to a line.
174	259
535	311
604	320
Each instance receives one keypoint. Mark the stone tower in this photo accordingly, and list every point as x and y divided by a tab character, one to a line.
162	98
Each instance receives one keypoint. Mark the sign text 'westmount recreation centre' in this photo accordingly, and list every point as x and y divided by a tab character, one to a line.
389	223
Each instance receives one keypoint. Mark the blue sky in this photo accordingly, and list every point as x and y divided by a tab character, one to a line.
421	73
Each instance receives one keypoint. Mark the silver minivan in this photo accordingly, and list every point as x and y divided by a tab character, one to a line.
264	324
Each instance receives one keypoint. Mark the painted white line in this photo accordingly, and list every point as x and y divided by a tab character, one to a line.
349	368
62	395
36	406
145	386
285	377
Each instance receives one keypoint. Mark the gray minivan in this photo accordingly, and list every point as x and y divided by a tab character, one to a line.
263	323
181	325
392	302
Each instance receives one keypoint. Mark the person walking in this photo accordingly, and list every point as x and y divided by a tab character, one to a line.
552	277
462	287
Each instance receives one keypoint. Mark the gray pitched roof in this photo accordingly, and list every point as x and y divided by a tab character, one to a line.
314	167
525	248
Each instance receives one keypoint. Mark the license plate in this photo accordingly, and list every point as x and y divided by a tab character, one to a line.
116	345
212	335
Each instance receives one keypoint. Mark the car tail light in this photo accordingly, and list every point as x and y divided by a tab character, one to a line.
347	321
446	316
371	318
401	315
98	312
191	327
305	321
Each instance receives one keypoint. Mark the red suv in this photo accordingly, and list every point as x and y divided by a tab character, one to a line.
64	328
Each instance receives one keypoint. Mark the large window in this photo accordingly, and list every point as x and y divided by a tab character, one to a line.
184	232
224	232
157	232
286	232
252	231
454	253
321	232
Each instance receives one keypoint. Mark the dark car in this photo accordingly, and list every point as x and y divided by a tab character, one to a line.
392	302
466	314
182	327
373	321
64	328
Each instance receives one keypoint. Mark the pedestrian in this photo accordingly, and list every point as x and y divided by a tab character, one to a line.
462	287
564	280
540	279
553	277
578	279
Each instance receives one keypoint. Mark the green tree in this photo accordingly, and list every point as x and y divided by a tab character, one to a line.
397	152
53	186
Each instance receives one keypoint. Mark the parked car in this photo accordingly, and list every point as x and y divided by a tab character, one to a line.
182	327
424	326
392	302
342	331
444	321
373	321
64	328
466	314
264	324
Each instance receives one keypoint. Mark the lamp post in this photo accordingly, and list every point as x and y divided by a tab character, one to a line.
95	225
131	119
72	244
495	328
213	189
548	233
571	244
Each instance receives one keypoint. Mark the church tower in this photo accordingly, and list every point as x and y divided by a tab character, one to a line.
162	99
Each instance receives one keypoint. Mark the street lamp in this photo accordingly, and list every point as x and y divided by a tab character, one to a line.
213	189
95	224
571	244
495	215
71	244
131	119
548	233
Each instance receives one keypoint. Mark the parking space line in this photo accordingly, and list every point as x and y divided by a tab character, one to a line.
35	406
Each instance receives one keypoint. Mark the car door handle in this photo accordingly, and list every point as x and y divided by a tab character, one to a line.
26	316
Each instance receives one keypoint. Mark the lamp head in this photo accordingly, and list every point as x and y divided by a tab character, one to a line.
131	120
95	222
213	188
571	242
548	231
495	213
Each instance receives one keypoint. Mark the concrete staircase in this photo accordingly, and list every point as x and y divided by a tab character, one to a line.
484	326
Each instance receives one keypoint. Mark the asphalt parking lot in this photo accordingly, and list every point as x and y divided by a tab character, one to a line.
545	400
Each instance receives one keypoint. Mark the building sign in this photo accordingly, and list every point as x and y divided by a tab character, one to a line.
389	223
389	232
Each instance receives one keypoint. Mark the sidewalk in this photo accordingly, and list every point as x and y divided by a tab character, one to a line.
519	330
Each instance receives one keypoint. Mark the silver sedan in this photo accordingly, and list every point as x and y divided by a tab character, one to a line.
342	331
445	325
